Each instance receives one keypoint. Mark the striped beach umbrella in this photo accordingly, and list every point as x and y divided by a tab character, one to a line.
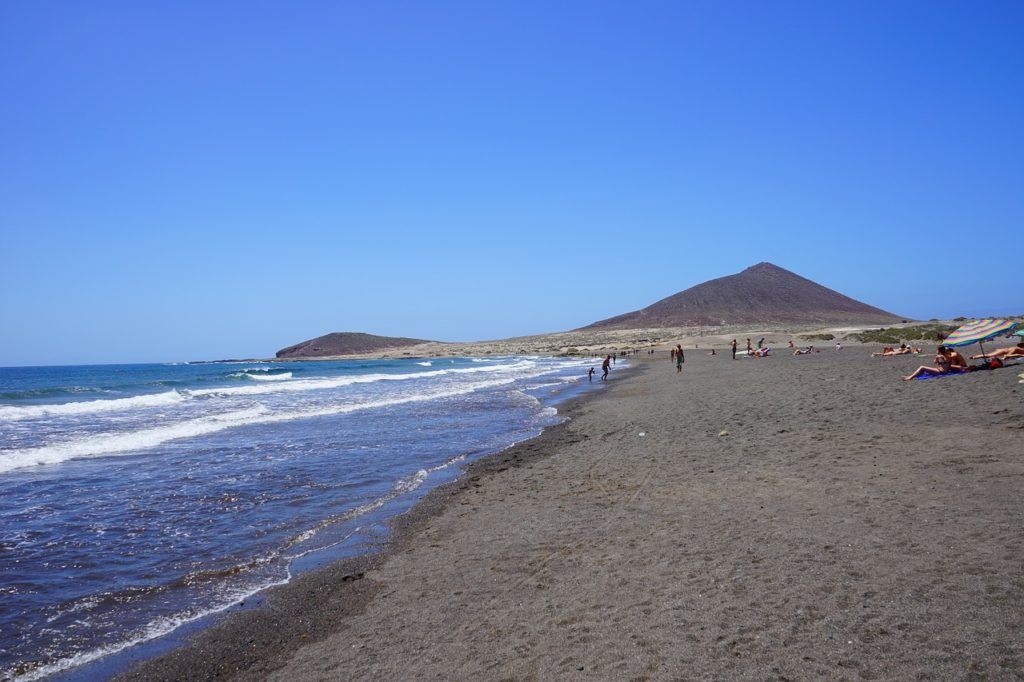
979	331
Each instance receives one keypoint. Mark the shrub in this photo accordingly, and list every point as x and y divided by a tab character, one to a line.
893	336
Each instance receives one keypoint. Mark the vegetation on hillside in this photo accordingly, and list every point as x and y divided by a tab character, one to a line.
895	335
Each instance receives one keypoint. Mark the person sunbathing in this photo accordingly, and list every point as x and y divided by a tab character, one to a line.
804	351
887	352
1011	352
989	363
946	362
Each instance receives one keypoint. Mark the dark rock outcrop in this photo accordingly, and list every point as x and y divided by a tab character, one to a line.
345	343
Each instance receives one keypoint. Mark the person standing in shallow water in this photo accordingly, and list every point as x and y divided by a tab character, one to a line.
680	359
734	349
605	366
590	374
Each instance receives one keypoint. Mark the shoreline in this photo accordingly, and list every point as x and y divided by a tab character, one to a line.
247	641
789	517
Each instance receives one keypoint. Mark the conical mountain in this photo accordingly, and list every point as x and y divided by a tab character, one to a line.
763	293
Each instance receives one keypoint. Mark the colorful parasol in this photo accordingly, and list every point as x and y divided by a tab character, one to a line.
979	331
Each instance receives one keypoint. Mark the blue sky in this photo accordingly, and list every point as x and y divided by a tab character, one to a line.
185	181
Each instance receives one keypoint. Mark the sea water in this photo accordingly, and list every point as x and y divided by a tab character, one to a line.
137	498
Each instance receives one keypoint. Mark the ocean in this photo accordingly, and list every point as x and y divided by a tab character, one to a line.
135	499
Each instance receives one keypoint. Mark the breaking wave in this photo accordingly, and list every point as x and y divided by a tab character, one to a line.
133	441
267	383
17	412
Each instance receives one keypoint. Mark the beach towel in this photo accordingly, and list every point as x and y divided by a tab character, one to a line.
923	377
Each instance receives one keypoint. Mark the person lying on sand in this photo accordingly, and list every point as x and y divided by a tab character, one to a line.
989	363
1011	352
804	351
887	352
947	361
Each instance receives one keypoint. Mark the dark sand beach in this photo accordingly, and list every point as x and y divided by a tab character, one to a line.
779	518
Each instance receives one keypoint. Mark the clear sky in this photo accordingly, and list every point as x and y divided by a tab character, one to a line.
189	180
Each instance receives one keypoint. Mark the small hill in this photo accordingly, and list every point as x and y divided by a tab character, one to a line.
763	293
345	343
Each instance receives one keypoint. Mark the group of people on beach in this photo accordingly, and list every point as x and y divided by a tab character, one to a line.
949	361
904	349
946	361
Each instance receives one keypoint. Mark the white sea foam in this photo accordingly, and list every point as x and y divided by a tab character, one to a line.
157	628
425	364
126	442
269	383
142	439
164	626
133	441
341	381
270	377
17	412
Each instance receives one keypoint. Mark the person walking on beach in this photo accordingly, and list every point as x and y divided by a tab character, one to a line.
590	375
680	359
734	349
605	366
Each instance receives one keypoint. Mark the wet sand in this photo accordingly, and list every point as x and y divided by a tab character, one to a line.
787	517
